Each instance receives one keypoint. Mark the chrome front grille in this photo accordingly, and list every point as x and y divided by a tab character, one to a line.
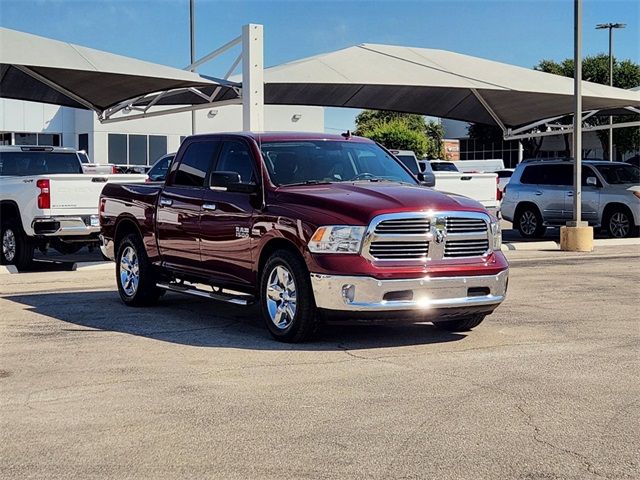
465	248
404	226
420	237
383	250
465	225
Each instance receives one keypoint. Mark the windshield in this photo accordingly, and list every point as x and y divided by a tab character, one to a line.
322	161
619	174
26	163
443	167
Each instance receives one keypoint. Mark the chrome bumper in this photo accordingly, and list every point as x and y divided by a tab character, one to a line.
66	226
367	294
107	248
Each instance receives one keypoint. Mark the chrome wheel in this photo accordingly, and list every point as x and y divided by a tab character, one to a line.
281	297
619	225
9	245
129	271
528	222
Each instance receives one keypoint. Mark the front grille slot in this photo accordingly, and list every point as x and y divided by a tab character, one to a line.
466	248
465	225
404	226
383	250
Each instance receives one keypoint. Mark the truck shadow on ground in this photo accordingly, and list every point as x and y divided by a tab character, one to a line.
204	323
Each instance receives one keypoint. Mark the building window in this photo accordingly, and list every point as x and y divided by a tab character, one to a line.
138	150
49	139
117	145
5	138
157	148
83	142
26	139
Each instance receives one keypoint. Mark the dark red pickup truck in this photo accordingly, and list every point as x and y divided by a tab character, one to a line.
312	226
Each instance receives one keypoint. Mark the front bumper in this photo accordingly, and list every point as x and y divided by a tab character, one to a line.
367	294
60	226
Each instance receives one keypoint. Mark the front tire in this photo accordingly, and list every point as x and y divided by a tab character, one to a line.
529	222
619	224
17	248
135	276
460	325
286	298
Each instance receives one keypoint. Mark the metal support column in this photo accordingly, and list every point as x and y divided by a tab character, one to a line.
192	30
610	84
252	78
577	113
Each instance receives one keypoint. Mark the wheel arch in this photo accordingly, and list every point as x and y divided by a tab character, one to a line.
611	207
521	206
124	226
273	245
9	209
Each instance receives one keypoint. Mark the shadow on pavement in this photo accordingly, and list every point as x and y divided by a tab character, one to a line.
203	323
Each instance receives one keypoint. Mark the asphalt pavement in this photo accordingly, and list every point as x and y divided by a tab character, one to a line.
546	388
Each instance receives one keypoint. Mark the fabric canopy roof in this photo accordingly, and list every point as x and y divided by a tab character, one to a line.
43	70
433	82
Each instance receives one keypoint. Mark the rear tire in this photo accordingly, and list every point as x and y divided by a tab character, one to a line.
17	247
135	275
529	222
286	298
460	325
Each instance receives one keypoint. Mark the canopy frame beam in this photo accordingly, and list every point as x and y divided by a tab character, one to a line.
488	108
58	88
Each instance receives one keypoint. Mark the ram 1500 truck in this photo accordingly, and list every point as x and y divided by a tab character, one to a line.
311	226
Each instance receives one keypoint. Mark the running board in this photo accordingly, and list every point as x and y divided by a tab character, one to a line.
239	299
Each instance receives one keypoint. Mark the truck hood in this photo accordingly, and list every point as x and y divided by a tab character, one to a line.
358	203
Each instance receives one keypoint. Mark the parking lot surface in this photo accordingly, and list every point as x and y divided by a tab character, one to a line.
546	388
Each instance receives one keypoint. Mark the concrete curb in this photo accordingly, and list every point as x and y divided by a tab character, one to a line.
555	245
7	269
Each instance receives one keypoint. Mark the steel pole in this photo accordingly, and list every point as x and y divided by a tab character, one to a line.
192	30
577	111
611	84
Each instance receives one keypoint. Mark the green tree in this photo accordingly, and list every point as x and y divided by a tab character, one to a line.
396	134
402	129
626	74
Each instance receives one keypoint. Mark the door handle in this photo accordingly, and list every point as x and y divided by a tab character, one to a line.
538	193
166	202
209	206
569	194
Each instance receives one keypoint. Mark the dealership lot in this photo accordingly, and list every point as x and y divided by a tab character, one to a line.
546	388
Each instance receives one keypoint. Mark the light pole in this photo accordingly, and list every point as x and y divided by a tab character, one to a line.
610	27
192	32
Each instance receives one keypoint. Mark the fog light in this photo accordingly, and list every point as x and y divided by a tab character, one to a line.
348	293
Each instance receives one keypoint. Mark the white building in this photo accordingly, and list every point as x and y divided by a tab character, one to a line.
135	142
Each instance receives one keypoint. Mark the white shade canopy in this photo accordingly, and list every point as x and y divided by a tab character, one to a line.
43	70
433	82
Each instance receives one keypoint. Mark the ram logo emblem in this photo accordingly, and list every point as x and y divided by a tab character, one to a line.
440	233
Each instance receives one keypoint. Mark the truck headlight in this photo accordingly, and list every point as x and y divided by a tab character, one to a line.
495	233
337	239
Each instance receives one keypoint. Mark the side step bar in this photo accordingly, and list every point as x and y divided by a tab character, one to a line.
239	299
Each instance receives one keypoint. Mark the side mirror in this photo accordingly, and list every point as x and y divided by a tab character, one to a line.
592	181
426	180
230	182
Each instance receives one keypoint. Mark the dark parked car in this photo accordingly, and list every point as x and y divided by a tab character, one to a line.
158	171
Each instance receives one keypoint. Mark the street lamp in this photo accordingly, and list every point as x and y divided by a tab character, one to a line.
610	27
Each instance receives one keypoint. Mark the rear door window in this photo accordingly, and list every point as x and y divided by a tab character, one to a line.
561	175
195	164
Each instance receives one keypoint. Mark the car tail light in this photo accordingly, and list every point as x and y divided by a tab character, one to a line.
114	169
498	191
44	198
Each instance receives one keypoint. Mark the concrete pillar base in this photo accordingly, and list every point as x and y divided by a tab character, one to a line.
576	237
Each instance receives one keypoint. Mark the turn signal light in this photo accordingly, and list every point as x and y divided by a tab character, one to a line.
44	198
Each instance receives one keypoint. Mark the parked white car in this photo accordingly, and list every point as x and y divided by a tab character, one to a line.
47	201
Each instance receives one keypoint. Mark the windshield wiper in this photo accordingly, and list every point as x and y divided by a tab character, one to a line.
306	182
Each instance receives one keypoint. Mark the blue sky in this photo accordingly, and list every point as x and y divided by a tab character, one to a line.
519	32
